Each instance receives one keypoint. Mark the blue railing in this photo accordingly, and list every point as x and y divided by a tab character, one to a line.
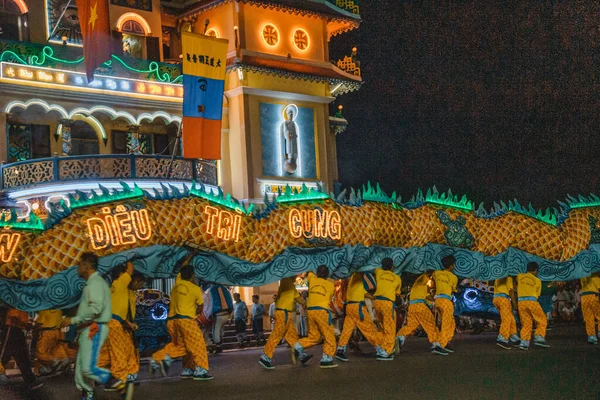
105	167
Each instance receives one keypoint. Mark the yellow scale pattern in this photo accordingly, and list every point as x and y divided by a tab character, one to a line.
179	221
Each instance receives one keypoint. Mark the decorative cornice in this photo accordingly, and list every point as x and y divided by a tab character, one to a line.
241	90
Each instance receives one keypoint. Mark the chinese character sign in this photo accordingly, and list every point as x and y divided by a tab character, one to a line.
203	83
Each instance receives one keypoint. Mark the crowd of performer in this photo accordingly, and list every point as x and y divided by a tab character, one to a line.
106	353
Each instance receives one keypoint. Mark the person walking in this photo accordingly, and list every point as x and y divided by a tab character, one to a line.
51	350
590	305
504	297
445	284
240	317
389	286
257	313
529	288
219	311
93	315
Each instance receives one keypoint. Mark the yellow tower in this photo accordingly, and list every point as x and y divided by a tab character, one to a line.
276	125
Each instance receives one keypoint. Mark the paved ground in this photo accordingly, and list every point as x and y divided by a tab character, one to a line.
570	369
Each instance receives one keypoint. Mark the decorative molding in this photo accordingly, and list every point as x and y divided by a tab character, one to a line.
240	90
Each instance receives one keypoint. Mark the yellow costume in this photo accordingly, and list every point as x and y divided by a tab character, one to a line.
388	287
445	285
502	301
187	339
357	315
285	308
119	351
51	346
320	292
529	288
590	305
419	313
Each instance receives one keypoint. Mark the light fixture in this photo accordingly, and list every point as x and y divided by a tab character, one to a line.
64	40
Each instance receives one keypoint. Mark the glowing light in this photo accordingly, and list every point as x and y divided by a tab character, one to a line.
220	199
270	35
64	79
82	200
448	200
135	17
213	32
121	228
301	39
8	245
315	223
223	224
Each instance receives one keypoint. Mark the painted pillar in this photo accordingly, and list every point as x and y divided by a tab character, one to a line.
133	139
4	120
66	136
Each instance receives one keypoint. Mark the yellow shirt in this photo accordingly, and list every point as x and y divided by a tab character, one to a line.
185	296
388	284
528	285
590	284
445	282
49	319
420	290
356	288
123	299
320	291
503	286
287	294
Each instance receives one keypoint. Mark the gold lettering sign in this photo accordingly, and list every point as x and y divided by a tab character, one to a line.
8	245
223	224
122	227
315	224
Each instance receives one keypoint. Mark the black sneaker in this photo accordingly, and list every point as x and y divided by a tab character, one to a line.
304	358
449	349
541	344
203	377
114	385
341	355
389	357
265	364
439	351
328	364
218	349
504	345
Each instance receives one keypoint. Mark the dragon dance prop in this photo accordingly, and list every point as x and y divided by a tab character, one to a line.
293	233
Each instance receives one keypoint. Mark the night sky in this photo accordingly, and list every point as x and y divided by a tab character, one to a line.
496	100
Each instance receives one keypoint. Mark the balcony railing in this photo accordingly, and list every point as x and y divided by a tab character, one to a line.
105	167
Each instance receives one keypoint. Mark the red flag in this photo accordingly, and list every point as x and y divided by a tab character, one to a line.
95	28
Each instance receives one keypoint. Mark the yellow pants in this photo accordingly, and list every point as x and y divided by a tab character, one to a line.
529	311
318	326
420	314
186	340
366	326
508	324
119	352
50	347
281	329
445	308
386	315
590	307
2	371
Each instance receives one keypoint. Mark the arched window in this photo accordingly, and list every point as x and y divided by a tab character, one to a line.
132	26
13	20
136	37
84	139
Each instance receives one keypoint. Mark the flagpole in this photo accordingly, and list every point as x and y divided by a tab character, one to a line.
177	140
59	19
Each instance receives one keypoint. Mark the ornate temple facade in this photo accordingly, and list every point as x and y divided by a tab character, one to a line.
62	133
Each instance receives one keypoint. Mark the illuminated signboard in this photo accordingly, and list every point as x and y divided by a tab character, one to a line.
8	245
69	79
223	224
315	223
119	228
274	187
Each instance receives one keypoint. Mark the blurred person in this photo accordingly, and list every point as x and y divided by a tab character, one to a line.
257	313
218	308
272	311
52	351
240	317
445	285
389	286
504	298
590	305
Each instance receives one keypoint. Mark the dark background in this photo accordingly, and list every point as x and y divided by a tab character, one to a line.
493	99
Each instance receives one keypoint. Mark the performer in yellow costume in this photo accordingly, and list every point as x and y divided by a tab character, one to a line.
420	314
53	353
357	316
388	287
284	325
529	288
187	339
119	350
590	305
320	292
503	299
445	285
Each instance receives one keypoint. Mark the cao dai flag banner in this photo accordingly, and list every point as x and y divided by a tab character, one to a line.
204	59
95	28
